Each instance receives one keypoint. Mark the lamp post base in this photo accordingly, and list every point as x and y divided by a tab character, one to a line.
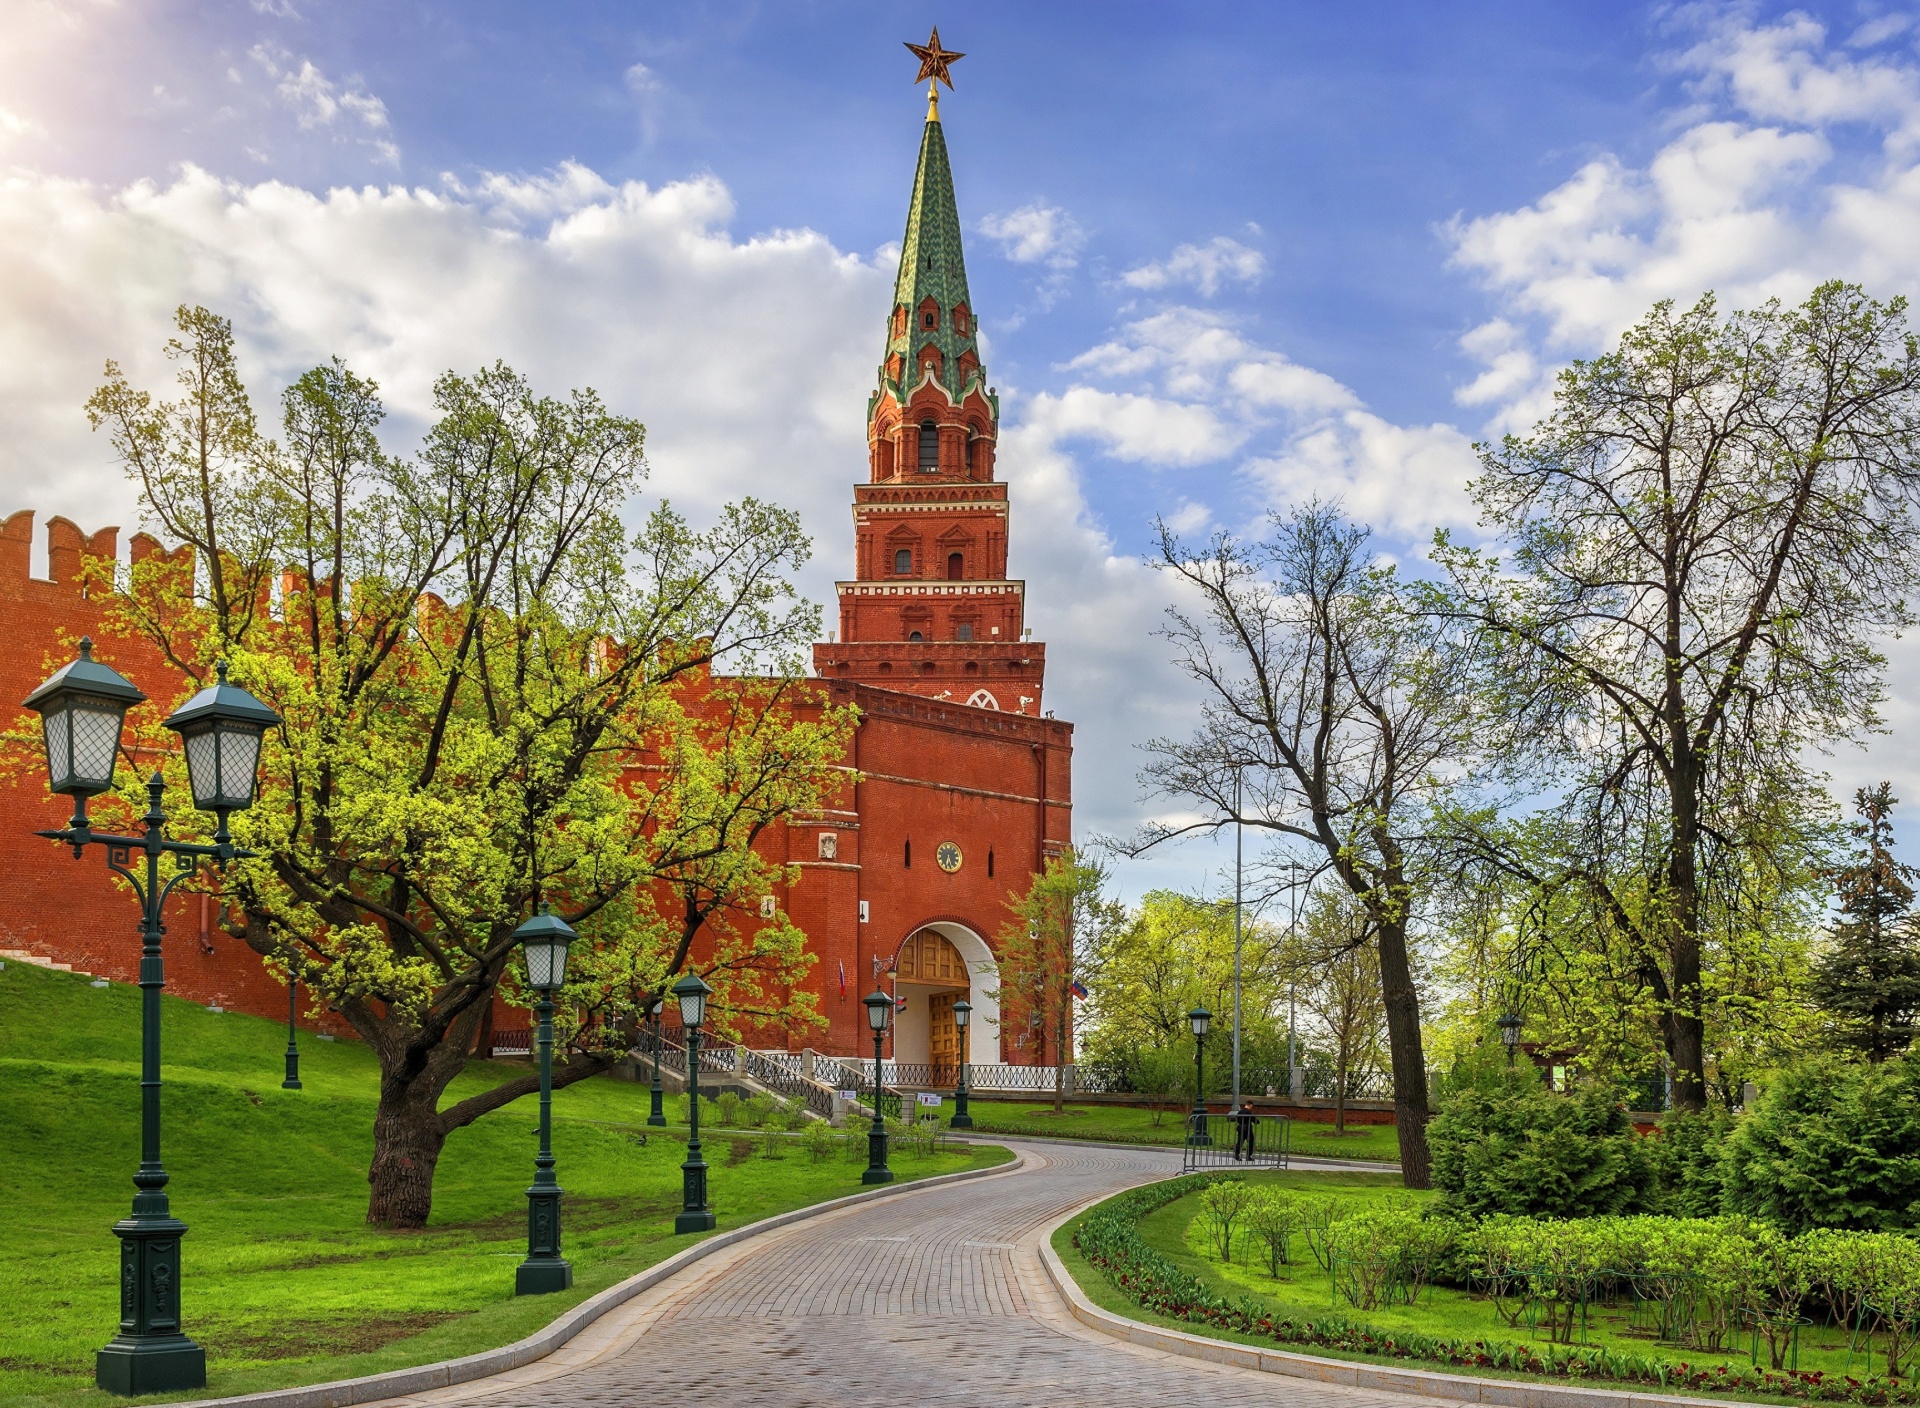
539	1276
877	1175
132	1366
961	1121
701	1221
657	1116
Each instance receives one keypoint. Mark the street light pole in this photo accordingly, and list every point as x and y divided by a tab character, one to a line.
1200	1019
879	1008
1238	832
292	1082
657	1115
962	1016
83	710
695	1215
544	937
1293	923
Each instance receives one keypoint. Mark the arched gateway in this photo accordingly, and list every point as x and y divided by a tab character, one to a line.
938	964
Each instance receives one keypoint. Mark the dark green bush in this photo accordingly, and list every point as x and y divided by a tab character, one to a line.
1830	1143
1503	1142
1689	1177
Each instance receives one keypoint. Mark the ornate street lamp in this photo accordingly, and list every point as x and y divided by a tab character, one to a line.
1509	1033
292	1082
544	939
879	1008
962	1014
695	1215
1200	1019
82	711
656	1116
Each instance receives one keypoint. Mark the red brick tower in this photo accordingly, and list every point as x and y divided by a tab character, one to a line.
931	610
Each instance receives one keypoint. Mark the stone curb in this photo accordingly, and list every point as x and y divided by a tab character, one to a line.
398	1383
1310	1161
1348	1373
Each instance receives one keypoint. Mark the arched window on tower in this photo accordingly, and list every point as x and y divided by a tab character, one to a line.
929	447
956	566
903	562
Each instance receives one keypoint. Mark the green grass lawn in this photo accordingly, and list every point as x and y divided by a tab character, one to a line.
284	1283
1305	1291
1132	1124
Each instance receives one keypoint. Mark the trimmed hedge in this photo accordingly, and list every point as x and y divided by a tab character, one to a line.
1109	1238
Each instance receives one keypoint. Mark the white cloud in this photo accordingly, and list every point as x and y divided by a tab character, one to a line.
1036	234
317	102
1143	429
1201	266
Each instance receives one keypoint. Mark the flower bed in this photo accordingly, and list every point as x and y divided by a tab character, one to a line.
1109	1238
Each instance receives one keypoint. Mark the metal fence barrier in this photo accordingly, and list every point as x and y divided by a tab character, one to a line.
1235	1141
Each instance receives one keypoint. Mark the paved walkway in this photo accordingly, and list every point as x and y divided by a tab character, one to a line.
919	1301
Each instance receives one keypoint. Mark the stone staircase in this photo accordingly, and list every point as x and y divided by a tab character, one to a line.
21	955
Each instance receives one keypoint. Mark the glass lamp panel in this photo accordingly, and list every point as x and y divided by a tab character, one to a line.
546	964
95	726
59	734
203	767
239	762
961	1012
693	1008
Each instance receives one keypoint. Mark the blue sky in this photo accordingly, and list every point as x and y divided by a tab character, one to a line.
1225	256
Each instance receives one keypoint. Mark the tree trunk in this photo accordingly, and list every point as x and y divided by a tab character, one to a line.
407	1139
1686	1052
1410	1112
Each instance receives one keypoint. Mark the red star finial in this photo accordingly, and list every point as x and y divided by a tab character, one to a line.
935	61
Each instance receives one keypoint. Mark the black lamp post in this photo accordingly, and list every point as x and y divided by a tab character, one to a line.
292	1082
879	1008
1201	1019
962	1014
544	939
82	709
656	1116
695	1215
1509	1033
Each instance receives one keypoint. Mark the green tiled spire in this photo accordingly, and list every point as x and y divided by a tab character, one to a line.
932	266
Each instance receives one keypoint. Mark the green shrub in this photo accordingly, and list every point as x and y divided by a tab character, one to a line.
727	1109
1221	1206
1504	1143
757	1110
1830	1143
819	1139
1688	1176
1273	1217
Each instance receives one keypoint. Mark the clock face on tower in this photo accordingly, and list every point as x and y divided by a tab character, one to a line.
948	857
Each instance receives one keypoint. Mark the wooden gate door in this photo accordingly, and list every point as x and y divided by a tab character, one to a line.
943	1038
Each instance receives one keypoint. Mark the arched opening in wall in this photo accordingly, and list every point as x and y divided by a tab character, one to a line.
903	562
915	635
956	566
906	856
927	668
929	447
989	848
937	964
886	667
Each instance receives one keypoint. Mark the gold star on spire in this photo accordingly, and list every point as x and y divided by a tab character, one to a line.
935	61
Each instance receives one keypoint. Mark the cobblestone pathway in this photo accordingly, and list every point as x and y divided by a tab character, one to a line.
917	1301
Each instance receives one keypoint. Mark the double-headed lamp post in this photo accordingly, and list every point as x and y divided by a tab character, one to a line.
82	710
962	1014
1509	1033
544	939
1200	1019
695	1215
879	1009
657	1114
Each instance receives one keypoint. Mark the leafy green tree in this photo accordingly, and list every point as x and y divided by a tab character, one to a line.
1335	714
1706	537
494	695
1504	1143
1048	948
1868	982
1337	971
1830	1143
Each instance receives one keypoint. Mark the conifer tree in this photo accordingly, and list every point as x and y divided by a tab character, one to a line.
1869	981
